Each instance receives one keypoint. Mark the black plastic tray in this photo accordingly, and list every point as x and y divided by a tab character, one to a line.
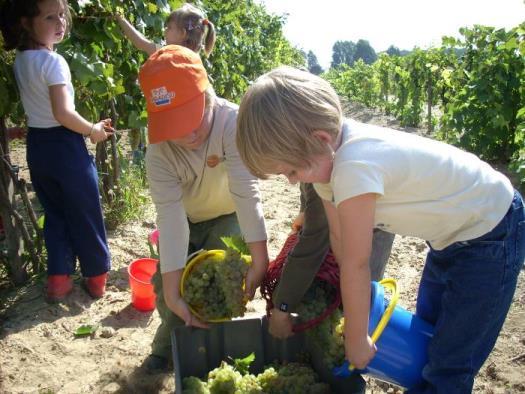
198	351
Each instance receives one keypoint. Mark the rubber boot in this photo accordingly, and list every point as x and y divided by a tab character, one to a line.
58	287
96	285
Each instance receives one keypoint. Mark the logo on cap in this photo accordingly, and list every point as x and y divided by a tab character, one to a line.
161	96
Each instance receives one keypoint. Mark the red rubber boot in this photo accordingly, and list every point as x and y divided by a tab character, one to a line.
58	287
96	285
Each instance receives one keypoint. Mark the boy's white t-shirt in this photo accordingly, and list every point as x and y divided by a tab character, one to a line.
35	71
425	188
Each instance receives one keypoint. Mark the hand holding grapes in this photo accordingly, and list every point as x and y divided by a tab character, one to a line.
180	308
174	301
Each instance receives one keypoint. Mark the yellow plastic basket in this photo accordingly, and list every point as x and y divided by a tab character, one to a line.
195	259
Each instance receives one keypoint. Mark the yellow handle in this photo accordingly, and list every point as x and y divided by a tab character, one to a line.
390	284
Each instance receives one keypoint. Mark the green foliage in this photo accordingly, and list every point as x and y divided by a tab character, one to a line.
313	63
243	364
365	52
476	84
486	97
237	243
105	65
343	53
130	196
358	83
249	43
10	106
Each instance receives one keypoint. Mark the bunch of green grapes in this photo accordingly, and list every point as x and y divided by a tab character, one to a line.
215	286
325	335
292	378
224	379
249	385
231	276
193	385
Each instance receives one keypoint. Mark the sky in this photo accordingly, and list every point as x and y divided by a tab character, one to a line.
317	25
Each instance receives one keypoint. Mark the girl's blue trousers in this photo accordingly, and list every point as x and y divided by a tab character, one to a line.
65	180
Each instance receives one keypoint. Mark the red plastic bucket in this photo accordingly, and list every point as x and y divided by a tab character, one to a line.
140	273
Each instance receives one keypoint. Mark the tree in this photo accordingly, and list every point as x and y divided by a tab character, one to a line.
393	51
364	51
313	64
343	52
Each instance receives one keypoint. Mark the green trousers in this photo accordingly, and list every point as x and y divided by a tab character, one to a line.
204	235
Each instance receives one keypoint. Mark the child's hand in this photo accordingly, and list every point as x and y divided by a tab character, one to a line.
254	277
280	324
178	306
298	222
360	352
101	131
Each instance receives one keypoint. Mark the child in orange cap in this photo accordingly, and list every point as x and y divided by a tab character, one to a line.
186	26
201	189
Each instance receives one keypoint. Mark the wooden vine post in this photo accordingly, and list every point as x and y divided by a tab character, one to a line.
14	239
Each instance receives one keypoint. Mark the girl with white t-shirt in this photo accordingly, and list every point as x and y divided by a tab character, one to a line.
63	173
290	122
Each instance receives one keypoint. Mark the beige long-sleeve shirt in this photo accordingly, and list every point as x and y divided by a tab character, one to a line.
184	187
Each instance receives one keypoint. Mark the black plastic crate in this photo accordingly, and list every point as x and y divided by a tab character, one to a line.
198	351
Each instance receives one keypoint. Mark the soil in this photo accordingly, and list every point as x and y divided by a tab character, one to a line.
40	354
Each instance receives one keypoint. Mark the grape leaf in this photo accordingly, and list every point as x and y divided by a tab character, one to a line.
243	364
86	329
236	242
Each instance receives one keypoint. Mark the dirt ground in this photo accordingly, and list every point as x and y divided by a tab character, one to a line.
39	353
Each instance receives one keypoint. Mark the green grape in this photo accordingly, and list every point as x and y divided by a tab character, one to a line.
193	385
328	335
223	380
248	385
214	287
291	378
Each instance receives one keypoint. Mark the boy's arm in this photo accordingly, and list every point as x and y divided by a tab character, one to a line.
174	301
136	37
302	263
351	229
259	266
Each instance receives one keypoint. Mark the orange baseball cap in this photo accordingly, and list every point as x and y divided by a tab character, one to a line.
173	81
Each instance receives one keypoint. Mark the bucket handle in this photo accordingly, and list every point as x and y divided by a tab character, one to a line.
390	284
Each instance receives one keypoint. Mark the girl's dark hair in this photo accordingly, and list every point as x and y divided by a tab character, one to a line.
200	32
11	14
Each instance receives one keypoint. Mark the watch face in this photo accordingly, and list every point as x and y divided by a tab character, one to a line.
283	307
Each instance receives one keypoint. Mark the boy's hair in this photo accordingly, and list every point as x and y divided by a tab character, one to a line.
11	15
199	30
277	118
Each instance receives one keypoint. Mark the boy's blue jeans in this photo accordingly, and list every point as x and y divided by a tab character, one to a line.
466	291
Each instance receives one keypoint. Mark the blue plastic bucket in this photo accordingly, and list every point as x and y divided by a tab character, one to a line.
401	348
